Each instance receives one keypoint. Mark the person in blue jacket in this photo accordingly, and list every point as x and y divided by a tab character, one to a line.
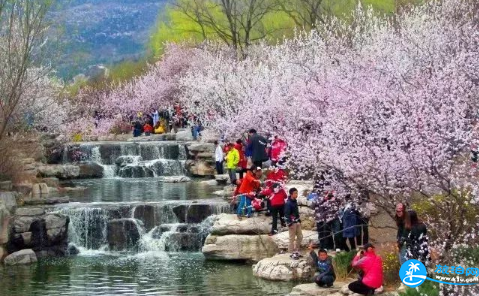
324	266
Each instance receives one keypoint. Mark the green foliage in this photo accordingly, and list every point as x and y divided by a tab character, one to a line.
470	255
176	26
127	70
342	264
427	288
391	268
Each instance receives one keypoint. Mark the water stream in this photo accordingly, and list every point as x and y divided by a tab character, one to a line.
137	236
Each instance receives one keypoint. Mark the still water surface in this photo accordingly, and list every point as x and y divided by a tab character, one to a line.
138	274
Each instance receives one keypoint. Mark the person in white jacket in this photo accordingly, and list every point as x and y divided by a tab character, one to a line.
219	158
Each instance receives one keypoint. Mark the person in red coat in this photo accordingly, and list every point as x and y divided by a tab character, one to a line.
148	129
277	150
277	175
372	267
276	196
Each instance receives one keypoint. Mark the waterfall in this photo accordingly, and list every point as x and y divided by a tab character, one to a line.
87	228
130	159
108	170
140	227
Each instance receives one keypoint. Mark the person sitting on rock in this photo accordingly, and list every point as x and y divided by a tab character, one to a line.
325	268
371	266
148	129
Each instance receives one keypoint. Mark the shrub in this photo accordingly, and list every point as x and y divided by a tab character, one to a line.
342	264
391	268
428	288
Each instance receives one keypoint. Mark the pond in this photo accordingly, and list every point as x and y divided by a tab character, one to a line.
140	189
159	273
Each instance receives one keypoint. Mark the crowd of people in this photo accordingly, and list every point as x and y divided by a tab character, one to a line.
165	121
342	221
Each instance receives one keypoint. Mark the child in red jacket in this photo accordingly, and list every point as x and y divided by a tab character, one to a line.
276	196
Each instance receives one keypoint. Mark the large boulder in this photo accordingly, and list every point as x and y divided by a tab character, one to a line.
282	239
40	189
193	213
282	268
230	224
90	169
184	135
123	234
6	186
57	227
195	148
26	256
314	290
239	247
4	224
28	211
65	171
9	200
200	168
22	224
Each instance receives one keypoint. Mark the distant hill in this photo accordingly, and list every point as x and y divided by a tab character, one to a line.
92	32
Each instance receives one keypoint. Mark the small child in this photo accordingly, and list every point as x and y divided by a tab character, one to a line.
291	215
325	268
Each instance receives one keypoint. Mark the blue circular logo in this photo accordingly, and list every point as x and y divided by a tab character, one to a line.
413	273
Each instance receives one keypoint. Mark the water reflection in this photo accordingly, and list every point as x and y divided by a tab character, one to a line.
142	189
140	274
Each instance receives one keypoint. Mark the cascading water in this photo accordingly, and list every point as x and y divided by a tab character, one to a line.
145	227
108	170
130	159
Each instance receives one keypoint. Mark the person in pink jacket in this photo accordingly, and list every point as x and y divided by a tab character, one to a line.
371	266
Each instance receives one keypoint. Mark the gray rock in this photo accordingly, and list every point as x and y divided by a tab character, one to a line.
90	170
52	182
26	256
66	171
55	221
4	224
282	268
9	200
23	223
123	234
201	147
175	179
222	179
184	135
239	247
200	168
24	188
6	186
27	238
46	201
40	189
229	224
313	290
27	211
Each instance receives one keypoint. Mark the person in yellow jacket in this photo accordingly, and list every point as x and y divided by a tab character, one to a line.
159	129
232	160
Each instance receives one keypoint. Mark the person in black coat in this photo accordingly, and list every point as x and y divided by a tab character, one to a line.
257	145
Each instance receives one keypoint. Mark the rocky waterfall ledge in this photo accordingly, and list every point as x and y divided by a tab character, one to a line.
232	239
